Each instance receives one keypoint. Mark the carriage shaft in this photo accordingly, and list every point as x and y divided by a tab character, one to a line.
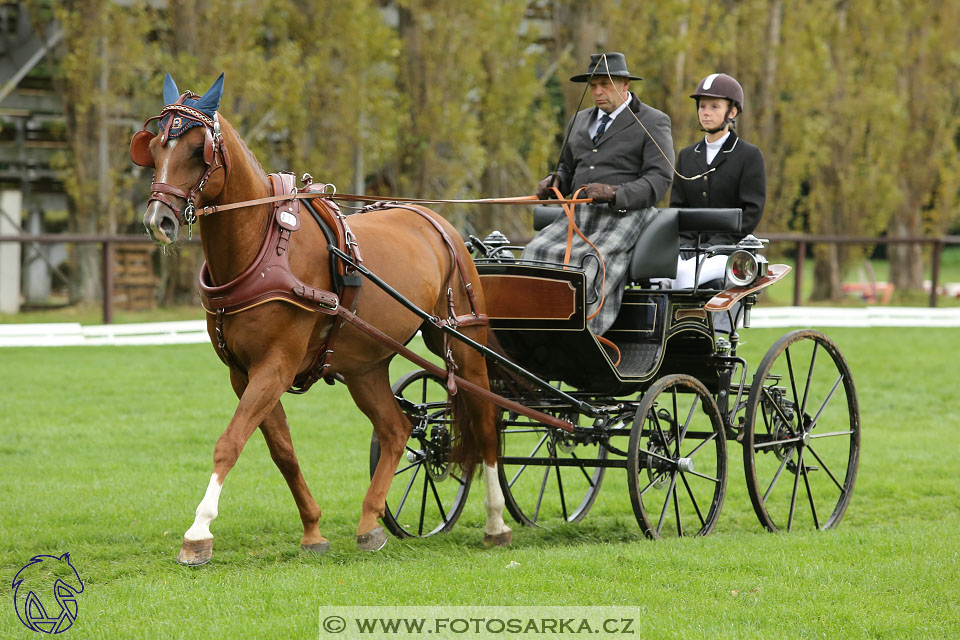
582	407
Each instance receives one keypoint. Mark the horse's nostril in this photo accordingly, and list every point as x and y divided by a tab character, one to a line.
168	226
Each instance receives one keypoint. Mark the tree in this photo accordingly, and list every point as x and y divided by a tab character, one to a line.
96	75
927	172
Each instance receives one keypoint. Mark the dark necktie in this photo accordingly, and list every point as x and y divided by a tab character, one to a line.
604	121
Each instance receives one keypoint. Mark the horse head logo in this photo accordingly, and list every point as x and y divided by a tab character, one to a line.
36	580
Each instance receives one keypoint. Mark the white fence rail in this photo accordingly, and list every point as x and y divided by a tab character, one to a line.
195	331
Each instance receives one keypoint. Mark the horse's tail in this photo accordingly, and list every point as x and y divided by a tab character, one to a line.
464	448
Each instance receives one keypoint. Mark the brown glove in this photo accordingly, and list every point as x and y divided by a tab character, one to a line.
544	192
600	192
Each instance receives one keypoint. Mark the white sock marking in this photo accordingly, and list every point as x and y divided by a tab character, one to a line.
206	512
493	502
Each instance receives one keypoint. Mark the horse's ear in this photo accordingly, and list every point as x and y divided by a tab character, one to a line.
170	91
65	557
210	101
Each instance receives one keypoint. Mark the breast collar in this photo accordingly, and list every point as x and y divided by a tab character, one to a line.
269	278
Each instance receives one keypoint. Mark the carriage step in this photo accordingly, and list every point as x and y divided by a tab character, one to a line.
637	357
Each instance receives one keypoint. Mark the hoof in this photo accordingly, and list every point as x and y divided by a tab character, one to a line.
317	547
372	540
498	540
193	553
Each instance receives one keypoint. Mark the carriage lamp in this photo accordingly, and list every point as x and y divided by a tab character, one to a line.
744	267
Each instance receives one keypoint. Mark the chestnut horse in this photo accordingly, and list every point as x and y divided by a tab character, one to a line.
200	160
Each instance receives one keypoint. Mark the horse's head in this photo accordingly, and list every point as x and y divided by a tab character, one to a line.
186	153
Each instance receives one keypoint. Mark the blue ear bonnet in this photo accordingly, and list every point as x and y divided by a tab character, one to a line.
207	104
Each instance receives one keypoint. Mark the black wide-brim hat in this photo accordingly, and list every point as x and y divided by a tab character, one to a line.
615	64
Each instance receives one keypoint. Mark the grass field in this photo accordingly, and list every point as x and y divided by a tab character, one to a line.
105	453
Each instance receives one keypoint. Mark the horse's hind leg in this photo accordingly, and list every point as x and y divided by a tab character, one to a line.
276	431
373	396
483	427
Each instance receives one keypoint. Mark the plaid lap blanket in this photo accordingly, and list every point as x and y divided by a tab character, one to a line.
614	233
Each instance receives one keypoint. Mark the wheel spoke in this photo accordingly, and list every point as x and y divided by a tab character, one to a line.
793	381
796	483
436	497
686	423
663	438
406	468
675	426
824	466
813	507
656	455
699	446
423	503
806	390
836	384
524	467
651	483
832	434
783	463
705	477
583	469
563	501
696	506
406	492
666	502
676	511
543	488
774	443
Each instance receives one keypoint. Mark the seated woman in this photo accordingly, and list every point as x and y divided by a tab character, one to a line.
731	175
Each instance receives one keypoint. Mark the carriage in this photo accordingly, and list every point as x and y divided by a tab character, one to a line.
660	395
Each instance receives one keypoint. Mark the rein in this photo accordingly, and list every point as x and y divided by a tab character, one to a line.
350	197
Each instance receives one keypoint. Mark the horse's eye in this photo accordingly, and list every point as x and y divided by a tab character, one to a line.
197	153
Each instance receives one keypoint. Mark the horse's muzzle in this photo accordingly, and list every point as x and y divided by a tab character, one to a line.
162	225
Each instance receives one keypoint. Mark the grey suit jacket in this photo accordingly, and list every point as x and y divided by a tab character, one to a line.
625	155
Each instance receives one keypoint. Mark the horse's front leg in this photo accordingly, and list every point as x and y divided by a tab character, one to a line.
258	397
371	391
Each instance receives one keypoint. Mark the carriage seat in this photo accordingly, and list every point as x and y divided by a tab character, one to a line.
658	247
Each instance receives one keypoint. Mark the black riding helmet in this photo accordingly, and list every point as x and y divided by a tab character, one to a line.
721	85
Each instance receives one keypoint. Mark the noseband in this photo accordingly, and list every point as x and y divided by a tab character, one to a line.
214	154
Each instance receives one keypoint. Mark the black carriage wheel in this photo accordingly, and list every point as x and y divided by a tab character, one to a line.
535	490
677	461
428	493
801	444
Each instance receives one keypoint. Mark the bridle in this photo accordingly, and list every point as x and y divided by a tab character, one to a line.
214	154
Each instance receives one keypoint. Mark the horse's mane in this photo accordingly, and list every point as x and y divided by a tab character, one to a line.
254	161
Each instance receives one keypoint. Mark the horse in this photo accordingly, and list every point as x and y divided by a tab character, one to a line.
201	163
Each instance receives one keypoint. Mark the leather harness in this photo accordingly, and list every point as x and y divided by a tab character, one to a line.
269	278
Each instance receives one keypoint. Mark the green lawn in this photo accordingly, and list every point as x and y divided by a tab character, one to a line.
106	452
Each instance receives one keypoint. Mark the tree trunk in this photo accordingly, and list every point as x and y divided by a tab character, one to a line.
826	273
906	260
765	111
